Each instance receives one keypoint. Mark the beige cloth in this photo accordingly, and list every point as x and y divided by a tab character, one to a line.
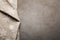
9	20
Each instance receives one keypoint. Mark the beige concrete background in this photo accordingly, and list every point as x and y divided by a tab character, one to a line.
40	19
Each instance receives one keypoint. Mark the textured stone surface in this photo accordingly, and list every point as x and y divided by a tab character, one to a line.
40	19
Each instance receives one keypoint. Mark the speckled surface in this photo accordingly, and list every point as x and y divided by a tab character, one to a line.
8	16
8	27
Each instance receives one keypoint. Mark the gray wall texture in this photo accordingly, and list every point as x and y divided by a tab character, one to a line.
40	19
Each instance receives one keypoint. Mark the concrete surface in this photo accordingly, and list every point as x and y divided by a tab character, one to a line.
40	19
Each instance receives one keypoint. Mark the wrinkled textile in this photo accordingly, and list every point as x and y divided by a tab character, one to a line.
9	20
